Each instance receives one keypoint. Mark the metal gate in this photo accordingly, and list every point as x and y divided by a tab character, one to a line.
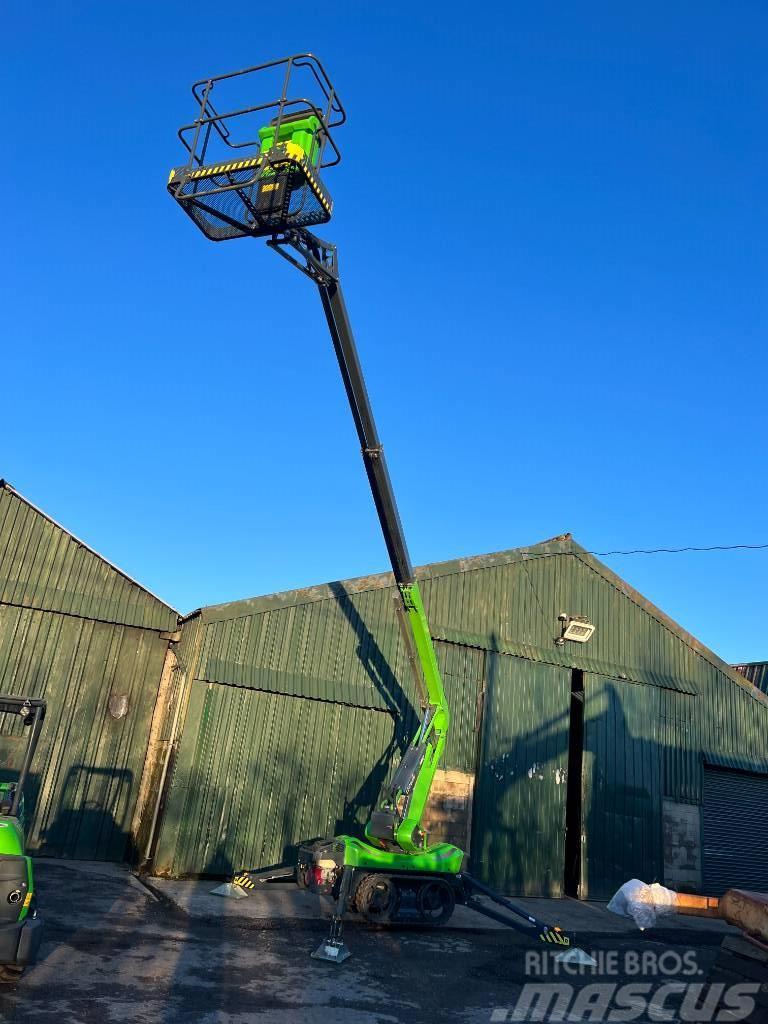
519	816
735	830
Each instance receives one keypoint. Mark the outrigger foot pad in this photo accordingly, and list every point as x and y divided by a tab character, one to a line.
576	956
332	950
231	890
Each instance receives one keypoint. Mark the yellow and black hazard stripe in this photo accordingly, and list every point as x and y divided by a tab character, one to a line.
214	169
555	935
233	165
293	155
296	155
244	881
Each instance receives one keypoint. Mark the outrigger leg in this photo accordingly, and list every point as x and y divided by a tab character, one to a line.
334	949
547	933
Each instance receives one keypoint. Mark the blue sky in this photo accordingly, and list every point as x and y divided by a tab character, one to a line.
552	230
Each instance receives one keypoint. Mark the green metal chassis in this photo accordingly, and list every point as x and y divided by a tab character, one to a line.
443	858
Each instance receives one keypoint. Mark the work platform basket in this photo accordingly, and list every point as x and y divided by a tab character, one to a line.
255	170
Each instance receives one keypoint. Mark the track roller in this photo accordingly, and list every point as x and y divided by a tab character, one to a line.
435	901
377	898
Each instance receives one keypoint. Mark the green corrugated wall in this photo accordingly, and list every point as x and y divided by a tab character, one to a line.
76	631
316	682
656	701
263	765
519	820
463	673
622	785
43	566
262	771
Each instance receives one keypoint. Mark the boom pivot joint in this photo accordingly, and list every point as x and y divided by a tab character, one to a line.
316	258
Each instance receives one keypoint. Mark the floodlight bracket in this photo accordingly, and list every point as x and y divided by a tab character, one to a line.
576	628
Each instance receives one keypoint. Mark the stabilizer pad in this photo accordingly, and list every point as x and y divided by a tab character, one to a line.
333	951
232	891
576	956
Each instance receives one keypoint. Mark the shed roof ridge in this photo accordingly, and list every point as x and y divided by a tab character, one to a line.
6	486
563	544
380	580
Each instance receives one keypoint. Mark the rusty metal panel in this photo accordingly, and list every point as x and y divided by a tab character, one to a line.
186	656
259	772
44	566
681	831
519	814
100	682
757	673
165	734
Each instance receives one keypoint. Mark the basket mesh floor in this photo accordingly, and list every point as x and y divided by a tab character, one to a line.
234	201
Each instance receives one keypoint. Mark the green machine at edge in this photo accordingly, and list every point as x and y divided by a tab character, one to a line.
20	922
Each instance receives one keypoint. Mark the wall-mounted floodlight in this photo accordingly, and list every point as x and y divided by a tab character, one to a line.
574	627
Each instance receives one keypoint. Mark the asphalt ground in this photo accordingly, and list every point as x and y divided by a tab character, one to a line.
115	951
286	901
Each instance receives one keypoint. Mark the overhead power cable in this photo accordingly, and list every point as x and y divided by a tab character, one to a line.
677	551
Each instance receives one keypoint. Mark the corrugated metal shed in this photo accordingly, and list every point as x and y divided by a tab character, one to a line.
266	769
519	833
42	565
735	806
76	630
508	601
622	785
655	699
757	673
758	765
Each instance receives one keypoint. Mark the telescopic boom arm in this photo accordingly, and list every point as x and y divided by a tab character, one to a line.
398	818
241	181
237	185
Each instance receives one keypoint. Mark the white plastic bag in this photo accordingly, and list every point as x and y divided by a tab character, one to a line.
643	903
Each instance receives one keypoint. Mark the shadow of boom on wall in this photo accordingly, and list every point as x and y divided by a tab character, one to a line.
91	817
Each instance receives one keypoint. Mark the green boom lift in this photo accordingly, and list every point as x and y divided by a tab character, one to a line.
20	923
245	178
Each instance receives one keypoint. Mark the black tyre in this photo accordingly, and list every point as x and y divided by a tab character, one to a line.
376	898
436	901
